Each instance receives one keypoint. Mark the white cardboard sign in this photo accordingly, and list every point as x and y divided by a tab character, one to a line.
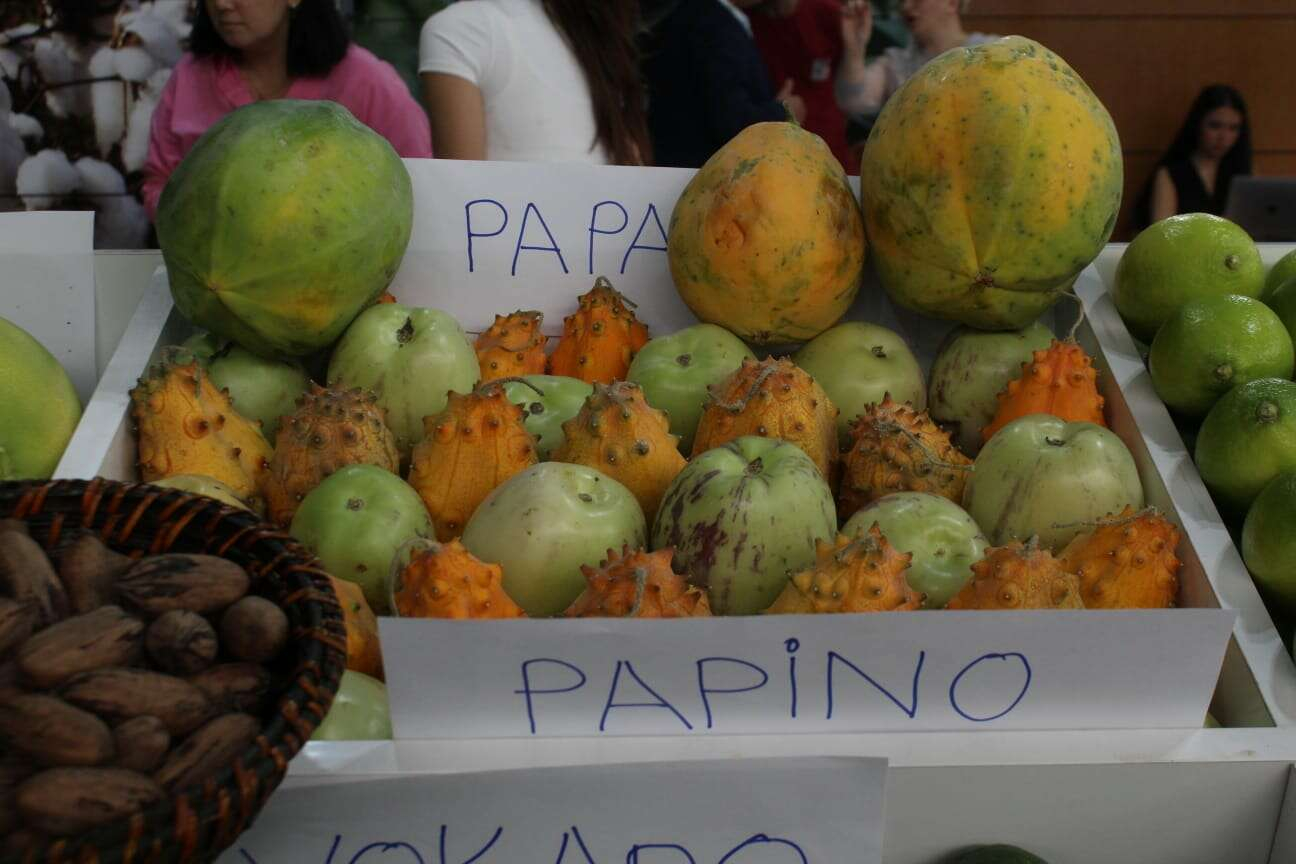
764	811
905	671
47	286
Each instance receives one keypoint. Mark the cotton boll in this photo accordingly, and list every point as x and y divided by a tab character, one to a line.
56	61
45	178
159	35
99	178
27	127
134	64
19	32
134	150
120	223
108	99
10	60
12	154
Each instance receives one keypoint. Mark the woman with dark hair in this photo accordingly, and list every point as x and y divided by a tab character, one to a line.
1213	146
535	81
244	51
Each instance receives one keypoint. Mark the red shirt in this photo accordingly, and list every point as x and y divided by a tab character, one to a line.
807	47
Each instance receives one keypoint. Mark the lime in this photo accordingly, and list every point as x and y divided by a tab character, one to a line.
1246	440
1213	344
1283	270
1180	259
1269	541
1282	300
40	407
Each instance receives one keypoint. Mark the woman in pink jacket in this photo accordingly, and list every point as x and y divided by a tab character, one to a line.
243	51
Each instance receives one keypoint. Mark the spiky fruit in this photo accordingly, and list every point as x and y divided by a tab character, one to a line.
330	429
624	437
445	580
1019	576
511	347
364	653
637	584
772	398
897	449
851	574
1126	562
474	445
600	339
186	426
1060	381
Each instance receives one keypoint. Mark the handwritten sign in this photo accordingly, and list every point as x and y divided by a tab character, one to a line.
830	673
48	287
765	811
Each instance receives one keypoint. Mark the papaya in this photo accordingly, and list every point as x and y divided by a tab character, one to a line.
767	238
285	220
990	180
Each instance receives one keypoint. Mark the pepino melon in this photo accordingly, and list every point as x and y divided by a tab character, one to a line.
285	220
990	180
767	239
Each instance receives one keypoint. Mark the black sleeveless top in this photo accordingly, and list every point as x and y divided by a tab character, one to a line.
1191	192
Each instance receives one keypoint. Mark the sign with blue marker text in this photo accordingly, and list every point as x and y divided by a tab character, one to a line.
764	811
903	671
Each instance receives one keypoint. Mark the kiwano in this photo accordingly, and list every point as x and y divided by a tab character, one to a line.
990	180
285	220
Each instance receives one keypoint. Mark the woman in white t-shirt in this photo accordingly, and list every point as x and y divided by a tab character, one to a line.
535	81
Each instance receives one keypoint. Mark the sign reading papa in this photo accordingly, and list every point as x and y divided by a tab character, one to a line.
749	812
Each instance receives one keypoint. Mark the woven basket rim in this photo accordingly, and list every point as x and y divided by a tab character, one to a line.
222	806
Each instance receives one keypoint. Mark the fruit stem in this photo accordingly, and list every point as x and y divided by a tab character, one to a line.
741	405
1223	373
1267	412
886	427
1080	316
509	379
406	332
755	467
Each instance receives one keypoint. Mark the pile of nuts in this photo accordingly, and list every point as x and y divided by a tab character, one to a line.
122	680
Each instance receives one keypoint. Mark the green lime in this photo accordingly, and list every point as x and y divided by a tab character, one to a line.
1213	344
40	408
1246	440
998	853
1282	300
1283	270
1269	543
1179	259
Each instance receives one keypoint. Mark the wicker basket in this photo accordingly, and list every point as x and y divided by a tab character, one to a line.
199	822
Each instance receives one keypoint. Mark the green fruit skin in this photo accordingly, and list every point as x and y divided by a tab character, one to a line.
284	221
262	390
1282	300
971	369
942	538
1283	270
675	371
1163	251
743	518
200	484
1041	476
1247	440
998	853
411	359
544	414
1190	382
1269	543
858	364
355	520
544	523
360	711
36	422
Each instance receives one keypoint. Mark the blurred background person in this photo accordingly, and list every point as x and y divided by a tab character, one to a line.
535	80
1211	148
706	80
935	26
801	41
244	51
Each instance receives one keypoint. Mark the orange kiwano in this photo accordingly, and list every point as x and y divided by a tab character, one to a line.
364	653
600	339
1019	577
637	584
897	449
330	429
618	433
187	426
1060	381
512	347
445	580
474	445
851	574
1127	562
772	398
